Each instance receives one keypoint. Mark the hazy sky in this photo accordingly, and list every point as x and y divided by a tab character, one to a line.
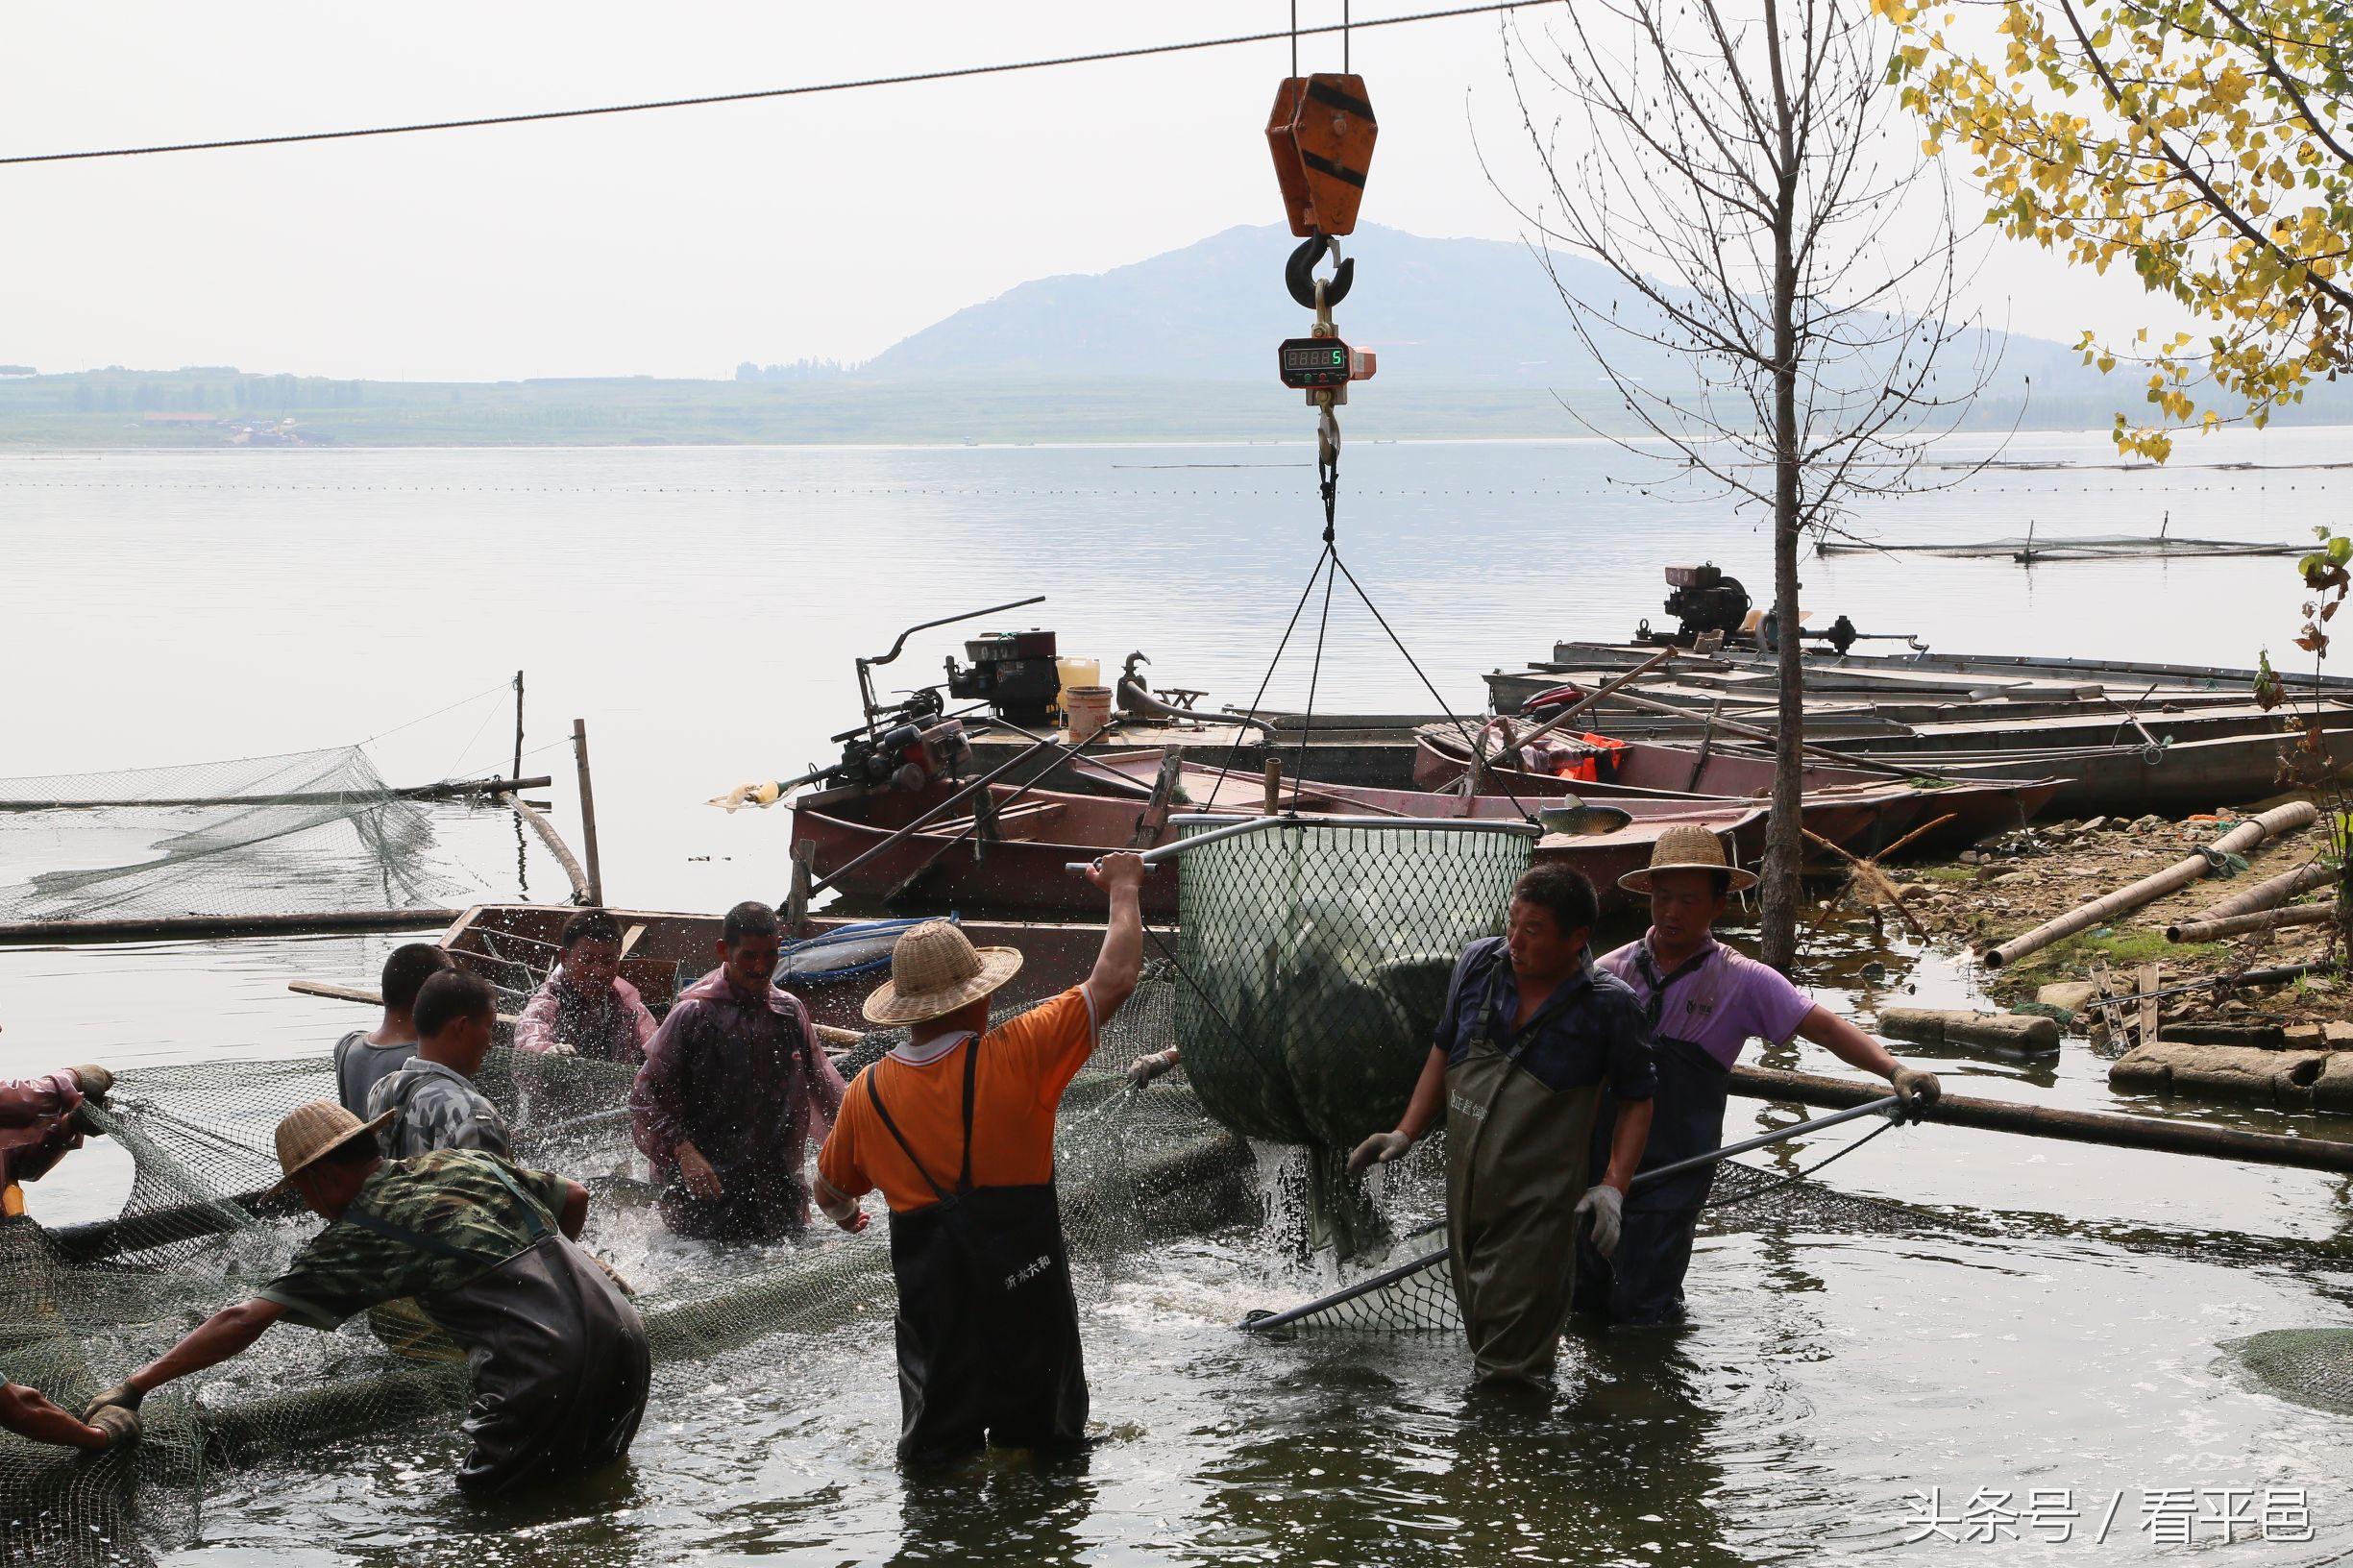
679	243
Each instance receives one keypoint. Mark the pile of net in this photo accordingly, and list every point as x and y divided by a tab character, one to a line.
81	1306
293	834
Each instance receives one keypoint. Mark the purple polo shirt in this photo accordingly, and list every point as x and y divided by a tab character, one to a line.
1718	1007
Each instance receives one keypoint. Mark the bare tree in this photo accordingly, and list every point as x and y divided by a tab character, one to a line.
1781	271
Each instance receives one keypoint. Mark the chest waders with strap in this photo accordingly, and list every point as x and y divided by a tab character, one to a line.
987	1324
1642	1282
560	1362
1512	1183
761	1199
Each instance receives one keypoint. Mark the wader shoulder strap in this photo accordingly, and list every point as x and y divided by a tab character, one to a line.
1649	966
523	1208
964	1175
1526	1035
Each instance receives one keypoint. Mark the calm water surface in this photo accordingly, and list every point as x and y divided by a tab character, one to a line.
699	609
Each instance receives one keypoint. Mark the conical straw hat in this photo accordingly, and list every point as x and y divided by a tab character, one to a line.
312	1132
1687	846
936	969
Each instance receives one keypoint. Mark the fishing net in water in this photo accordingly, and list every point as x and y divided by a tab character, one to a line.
81	1306
306	831
1315	958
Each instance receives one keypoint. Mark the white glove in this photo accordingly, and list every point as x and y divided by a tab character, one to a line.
1144	1069
560	1049
1603	1203
1378	1150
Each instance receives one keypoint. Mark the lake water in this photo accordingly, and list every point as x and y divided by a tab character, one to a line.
699	609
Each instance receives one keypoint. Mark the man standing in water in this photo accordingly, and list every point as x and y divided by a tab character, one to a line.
956	1126
1532	1036
586	1008
364	1056
733	1084
1704	1002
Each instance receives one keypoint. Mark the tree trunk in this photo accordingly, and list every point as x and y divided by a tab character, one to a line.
1784	847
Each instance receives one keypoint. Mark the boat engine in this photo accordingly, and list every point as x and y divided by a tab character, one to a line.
1703	600
906	755
1013	672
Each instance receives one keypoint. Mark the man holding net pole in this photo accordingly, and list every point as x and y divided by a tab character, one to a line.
1704	1002
1532	1036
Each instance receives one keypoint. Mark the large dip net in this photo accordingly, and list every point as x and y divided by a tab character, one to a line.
297	833
1314	958
81	1306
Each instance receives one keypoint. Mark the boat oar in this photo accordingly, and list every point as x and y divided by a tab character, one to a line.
1844	759
1607	688
1261	1322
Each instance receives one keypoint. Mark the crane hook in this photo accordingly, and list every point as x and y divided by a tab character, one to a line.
1299	272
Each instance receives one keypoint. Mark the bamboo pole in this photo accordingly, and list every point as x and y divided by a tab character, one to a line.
190	927
555	845
2278	821
1607	688
2254	919
448	789
588	814
518	768
831	1034
2269	894
2160	1137
1274	784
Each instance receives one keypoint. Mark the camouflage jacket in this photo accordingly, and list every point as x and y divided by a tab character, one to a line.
438	1109
453	1196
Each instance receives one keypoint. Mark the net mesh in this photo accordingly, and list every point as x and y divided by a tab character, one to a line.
81	1306
297	833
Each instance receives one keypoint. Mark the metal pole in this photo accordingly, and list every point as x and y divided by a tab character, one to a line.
1221	829
588	814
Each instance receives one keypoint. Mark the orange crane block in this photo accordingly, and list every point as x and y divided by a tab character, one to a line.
1321	132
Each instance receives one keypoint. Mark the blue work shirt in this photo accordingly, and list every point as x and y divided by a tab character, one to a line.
1589	1030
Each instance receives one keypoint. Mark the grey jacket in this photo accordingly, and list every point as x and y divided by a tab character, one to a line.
439	1109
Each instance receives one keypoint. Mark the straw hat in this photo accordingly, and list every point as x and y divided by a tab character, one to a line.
312	1132
1685	846
936	969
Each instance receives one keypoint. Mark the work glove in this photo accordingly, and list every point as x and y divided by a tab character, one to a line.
121	1397
1915	1088
1378	1150
562	1048
1146	1067
120	1423
1604	1203
96	1083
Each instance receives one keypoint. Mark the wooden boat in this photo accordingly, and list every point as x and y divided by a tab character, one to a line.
1892	808
2120	675
513	946
1023	866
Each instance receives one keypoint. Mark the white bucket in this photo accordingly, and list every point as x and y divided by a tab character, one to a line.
1087	709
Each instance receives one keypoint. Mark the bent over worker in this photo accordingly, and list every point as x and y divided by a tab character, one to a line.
1530	1036
1703	1001
490	1251
956	1127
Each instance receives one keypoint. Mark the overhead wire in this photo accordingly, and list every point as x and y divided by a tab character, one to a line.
706	100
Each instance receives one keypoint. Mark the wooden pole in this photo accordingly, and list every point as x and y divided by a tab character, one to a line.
556	846
2254	919
2048	1122
448	789
189	927
517	770
1607	688
2269	894
831	1033
1274	784
2278	820
588	814
1730	728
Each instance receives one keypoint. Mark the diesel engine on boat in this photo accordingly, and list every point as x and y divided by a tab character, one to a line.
1703	600
1013	672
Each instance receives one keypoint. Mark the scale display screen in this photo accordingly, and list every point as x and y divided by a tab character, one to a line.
1310	362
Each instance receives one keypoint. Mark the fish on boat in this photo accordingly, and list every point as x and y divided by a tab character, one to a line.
1962	810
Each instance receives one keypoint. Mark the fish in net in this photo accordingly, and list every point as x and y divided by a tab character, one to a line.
300	832
1314	958
82	1305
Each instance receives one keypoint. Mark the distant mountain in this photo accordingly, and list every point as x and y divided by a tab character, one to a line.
1454	313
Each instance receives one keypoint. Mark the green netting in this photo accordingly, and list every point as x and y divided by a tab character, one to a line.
2311	1366
81	1306
1318	956
305	831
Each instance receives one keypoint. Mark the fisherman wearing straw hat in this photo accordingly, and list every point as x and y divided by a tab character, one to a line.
956	1126
491	1251
1705	1002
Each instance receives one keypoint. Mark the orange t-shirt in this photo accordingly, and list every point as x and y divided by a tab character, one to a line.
1025	1064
